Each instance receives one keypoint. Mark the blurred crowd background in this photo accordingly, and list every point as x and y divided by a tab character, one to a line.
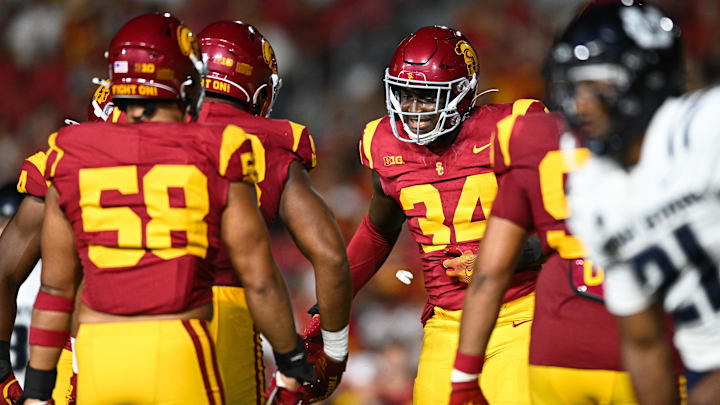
331	55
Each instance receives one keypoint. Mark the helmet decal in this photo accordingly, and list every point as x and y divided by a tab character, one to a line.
464	49
187	41
648	27
101	94
269	56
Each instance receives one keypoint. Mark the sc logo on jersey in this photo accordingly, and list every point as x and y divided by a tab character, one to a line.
468	53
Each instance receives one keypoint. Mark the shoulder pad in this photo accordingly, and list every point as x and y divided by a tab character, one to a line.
522	135
32	176
303	145
366	155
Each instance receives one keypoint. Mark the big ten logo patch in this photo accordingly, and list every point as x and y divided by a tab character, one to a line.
464	49
393	160
144	68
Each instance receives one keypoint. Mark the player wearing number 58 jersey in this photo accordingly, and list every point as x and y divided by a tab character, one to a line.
142	211
646	204
242	85
430	162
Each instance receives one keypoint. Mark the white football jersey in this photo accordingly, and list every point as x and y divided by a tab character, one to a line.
656	228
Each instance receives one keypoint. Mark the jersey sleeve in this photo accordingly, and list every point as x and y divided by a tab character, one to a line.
54	155
366	155
31	180
237	156
303	146
512	202
513	126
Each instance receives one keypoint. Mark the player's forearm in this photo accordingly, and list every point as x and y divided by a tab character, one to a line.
334	291
480	309
651	372
269	304
8	309
49	332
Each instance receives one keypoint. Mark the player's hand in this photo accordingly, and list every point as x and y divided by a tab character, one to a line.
30	401
467	393
329	373
461	266
286	391
312	337
10	389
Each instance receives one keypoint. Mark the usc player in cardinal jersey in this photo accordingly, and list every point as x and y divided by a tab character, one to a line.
241	87
430	162
142	211
20	248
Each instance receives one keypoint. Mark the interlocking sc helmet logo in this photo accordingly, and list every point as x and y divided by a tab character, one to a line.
468	53
269	56
187	42
101	94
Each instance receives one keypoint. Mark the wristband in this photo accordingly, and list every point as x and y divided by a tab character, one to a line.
335	344
289	360
467	367
49	302
39	384
47	337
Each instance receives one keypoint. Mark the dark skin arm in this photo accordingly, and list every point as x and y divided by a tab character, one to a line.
647	356
315	232
61	274
245	236
19	253
497	255
385	214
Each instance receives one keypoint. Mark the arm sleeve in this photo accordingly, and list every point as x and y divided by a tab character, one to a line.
367	251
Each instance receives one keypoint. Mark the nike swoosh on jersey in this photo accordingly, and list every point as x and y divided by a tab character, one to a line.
480	149
516	324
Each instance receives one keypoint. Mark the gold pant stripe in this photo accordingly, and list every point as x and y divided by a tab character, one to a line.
206	359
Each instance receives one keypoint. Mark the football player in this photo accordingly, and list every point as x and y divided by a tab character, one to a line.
646	203
241	87
430	162
142	211
20	249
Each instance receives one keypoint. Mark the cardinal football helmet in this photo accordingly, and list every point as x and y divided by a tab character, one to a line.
635	49
432	58
241	64
155	56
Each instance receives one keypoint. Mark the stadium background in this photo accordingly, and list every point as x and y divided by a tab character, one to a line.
331	56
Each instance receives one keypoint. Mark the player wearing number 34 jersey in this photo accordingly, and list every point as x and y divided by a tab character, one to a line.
431	165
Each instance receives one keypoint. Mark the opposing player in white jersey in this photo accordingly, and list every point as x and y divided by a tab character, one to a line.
647	205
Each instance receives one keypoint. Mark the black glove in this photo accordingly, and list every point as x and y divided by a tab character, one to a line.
294	364
39	384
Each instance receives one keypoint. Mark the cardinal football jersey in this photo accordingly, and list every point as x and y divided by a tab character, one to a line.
276	144
445	197
145	202
655	227
571	327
